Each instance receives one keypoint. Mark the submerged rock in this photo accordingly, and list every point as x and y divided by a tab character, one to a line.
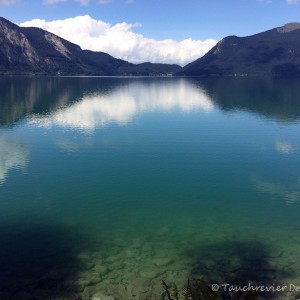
162	261
100	296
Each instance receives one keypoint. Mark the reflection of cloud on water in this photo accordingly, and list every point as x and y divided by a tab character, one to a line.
91	112
122	105
281	146
72	145
290	194
284	147
13	155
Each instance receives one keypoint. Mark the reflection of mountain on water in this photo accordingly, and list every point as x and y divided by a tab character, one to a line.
87	103
125	102
277	99
22	96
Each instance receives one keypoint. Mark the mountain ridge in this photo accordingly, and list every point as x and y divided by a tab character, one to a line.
274	52
31	50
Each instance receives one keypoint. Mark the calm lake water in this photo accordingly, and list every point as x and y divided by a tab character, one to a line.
110	185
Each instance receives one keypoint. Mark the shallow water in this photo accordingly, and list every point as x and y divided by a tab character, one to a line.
110	185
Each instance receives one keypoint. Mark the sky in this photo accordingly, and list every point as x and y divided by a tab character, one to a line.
166	31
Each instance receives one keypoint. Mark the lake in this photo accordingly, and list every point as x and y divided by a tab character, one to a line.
110	185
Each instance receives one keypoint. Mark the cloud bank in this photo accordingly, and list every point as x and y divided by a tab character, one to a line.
293	1
53	1
7	2
121	41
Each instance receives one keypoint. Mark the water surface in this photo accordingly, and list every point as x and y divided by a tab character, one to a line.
109	185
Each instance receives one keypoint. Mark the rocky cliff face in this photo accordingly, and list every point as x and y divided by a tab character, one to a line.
274	52
29	50
15	48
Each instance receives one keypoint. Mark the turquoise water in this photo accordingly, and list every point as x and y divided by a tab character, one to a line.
110	185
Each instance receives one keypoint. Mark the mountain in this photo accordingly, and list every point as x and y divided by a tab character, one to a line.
30	50
274	52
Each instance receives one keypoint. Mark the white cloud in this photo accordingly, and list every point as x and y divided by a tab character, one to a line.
125	103
53	1
104	1
8	2
83	2
121	41
293	1
265	1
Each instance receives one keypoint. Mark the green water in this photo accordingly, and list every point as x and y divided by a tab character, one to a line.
110	185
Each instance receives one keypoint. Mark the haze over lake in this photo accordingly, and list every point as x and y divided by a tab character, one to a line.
110	185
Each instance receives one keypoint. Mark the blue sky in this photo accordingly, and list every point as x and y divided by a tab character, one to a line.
163	19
